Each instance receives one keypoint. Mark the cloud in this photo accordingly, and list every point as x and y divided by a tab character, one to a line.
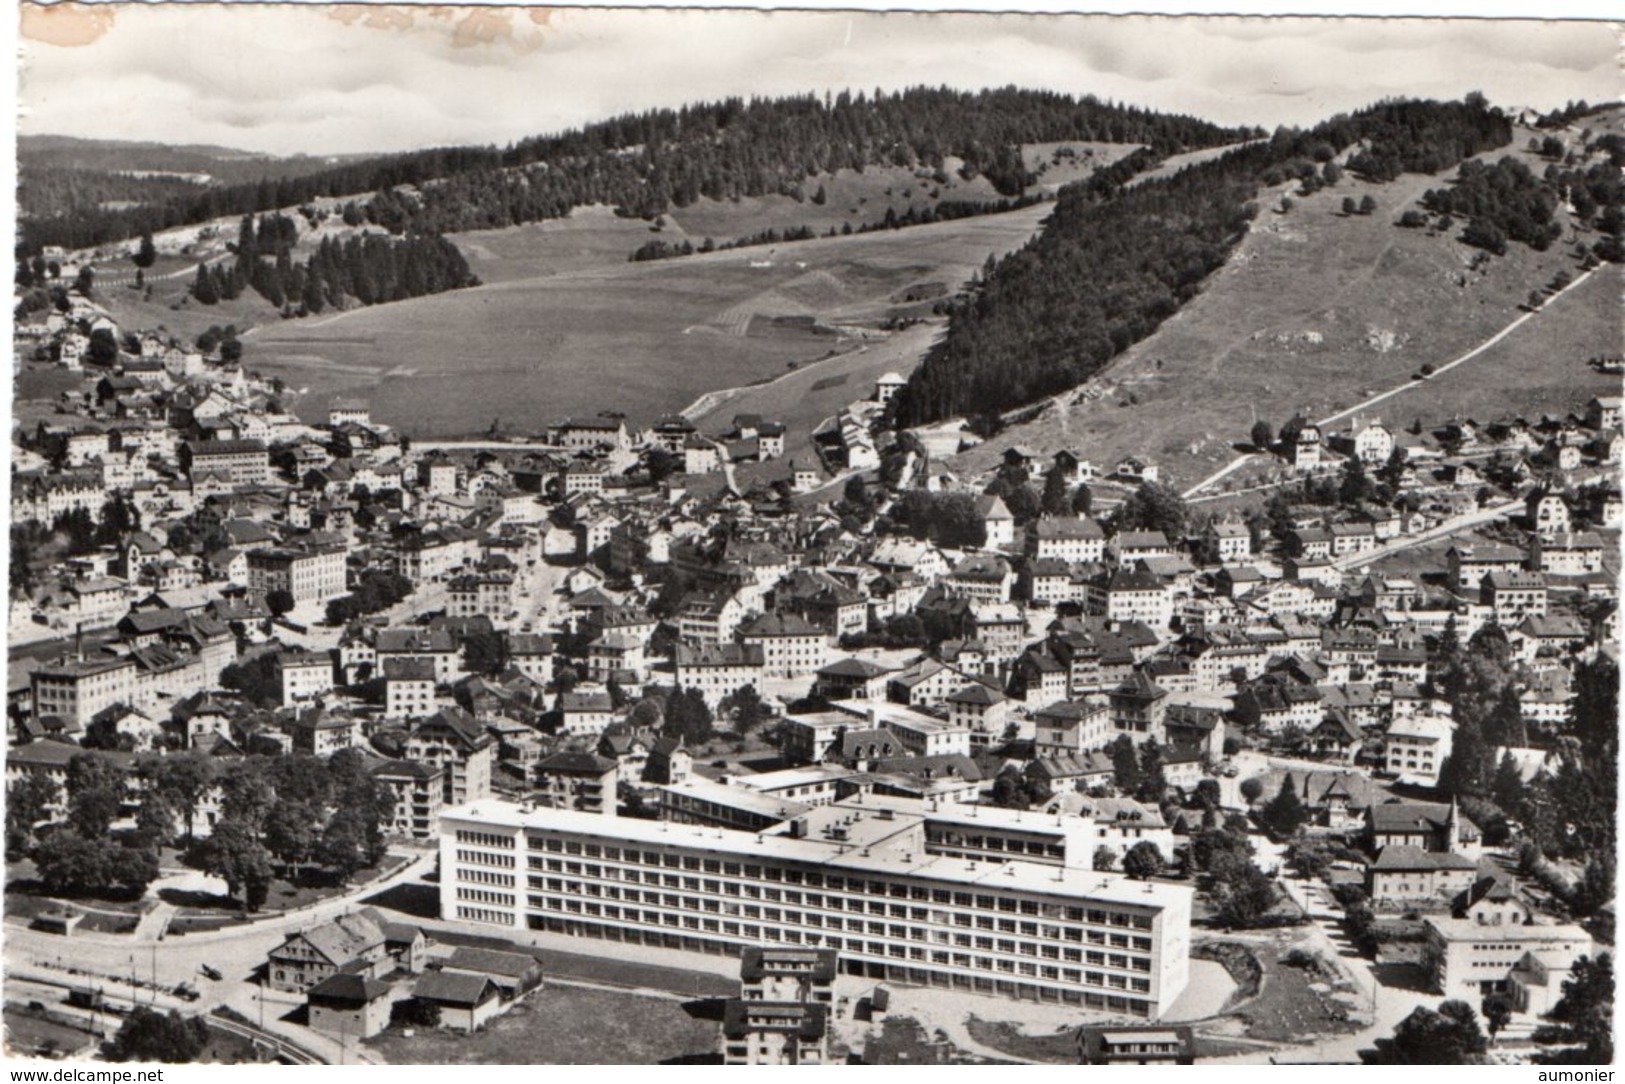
347	78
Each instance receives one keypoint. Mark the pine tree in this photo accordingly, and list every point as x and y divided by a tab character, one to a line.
203	287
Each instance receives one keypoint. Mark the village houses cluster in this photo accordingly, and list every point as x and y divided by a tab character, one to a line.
577	647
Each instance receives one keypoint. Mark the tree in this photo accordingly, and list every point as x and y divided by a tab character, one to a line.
1448	1036
69	863
1143	861
96	791
183	779
1507	789
1010	790
1083	500
1125	764
148	1035
258	678
1586	1009
747	709
1153	784
1354	486
414	1012
247	795
344	844
1252	789
28	802
1349	206
1368	205
146	253
1285	813
1153	507
1262	435
292	830
279	602
85	282
155	820
1243	894
1055	501
688	717
204	289
1105	858
235	854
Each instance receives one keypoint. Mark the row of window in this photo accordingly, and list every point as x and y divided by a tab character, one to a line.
484	895
939	957
896	889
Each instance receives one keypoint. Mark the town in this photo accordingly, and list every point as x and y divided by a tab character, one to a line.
328	744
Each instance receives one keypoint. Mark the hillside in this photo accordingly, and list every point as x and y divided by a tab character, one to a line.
564	324
594	239
1315	311
649	163
64	175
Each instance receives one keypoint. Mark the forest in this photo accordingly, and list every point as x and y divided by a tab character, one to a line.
1508	202
1119	257
647	163
369	269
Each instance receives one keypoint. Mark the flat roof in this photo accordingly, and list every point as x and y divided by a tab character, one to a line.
792	777
1140	1036
966	814
1466	929
737	797
897	716
1029	877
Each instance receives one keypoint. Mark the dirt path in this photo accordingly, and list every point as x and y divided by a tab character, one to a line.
1403	386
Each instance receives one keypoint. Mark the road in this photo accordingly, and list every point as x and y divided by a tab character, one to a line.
237	951
1397	389
1453	525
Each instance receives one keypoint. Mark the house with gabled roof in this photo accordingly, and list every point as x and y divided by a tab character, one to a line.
348	1006
466	1001
351	943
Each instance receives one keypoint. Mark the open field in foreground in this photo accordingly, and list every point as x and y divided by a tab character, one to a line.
569	1025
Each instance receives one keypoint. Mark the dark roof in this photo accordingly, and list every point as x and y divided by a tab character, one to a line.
455	989
854	667
350	988
808	1020
576	761
1404	857
512	965
757	961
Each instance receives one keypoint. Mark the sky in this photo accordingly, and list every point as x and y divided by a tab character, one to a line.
289	79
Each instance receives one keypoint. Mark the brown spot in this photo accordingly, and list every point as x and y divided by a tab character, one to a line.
65	24
377	16
483	26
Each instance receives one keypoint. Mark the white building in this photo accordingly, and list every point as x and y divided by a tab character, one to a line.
1016	928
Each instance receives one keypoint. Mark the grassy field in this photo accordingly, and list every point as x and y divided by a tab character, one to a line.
1314	312
1060	1047
644	338
32	1034
568	1025
608	969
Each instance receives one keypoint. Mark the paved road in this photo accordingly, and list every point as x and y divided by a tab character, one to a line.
235	950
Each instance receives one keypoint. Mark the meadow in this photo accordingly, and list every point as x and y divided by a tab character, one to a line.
1316	311
563	326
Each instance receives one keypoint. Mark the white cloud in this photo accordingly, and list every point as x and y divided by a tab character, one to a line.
284	79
